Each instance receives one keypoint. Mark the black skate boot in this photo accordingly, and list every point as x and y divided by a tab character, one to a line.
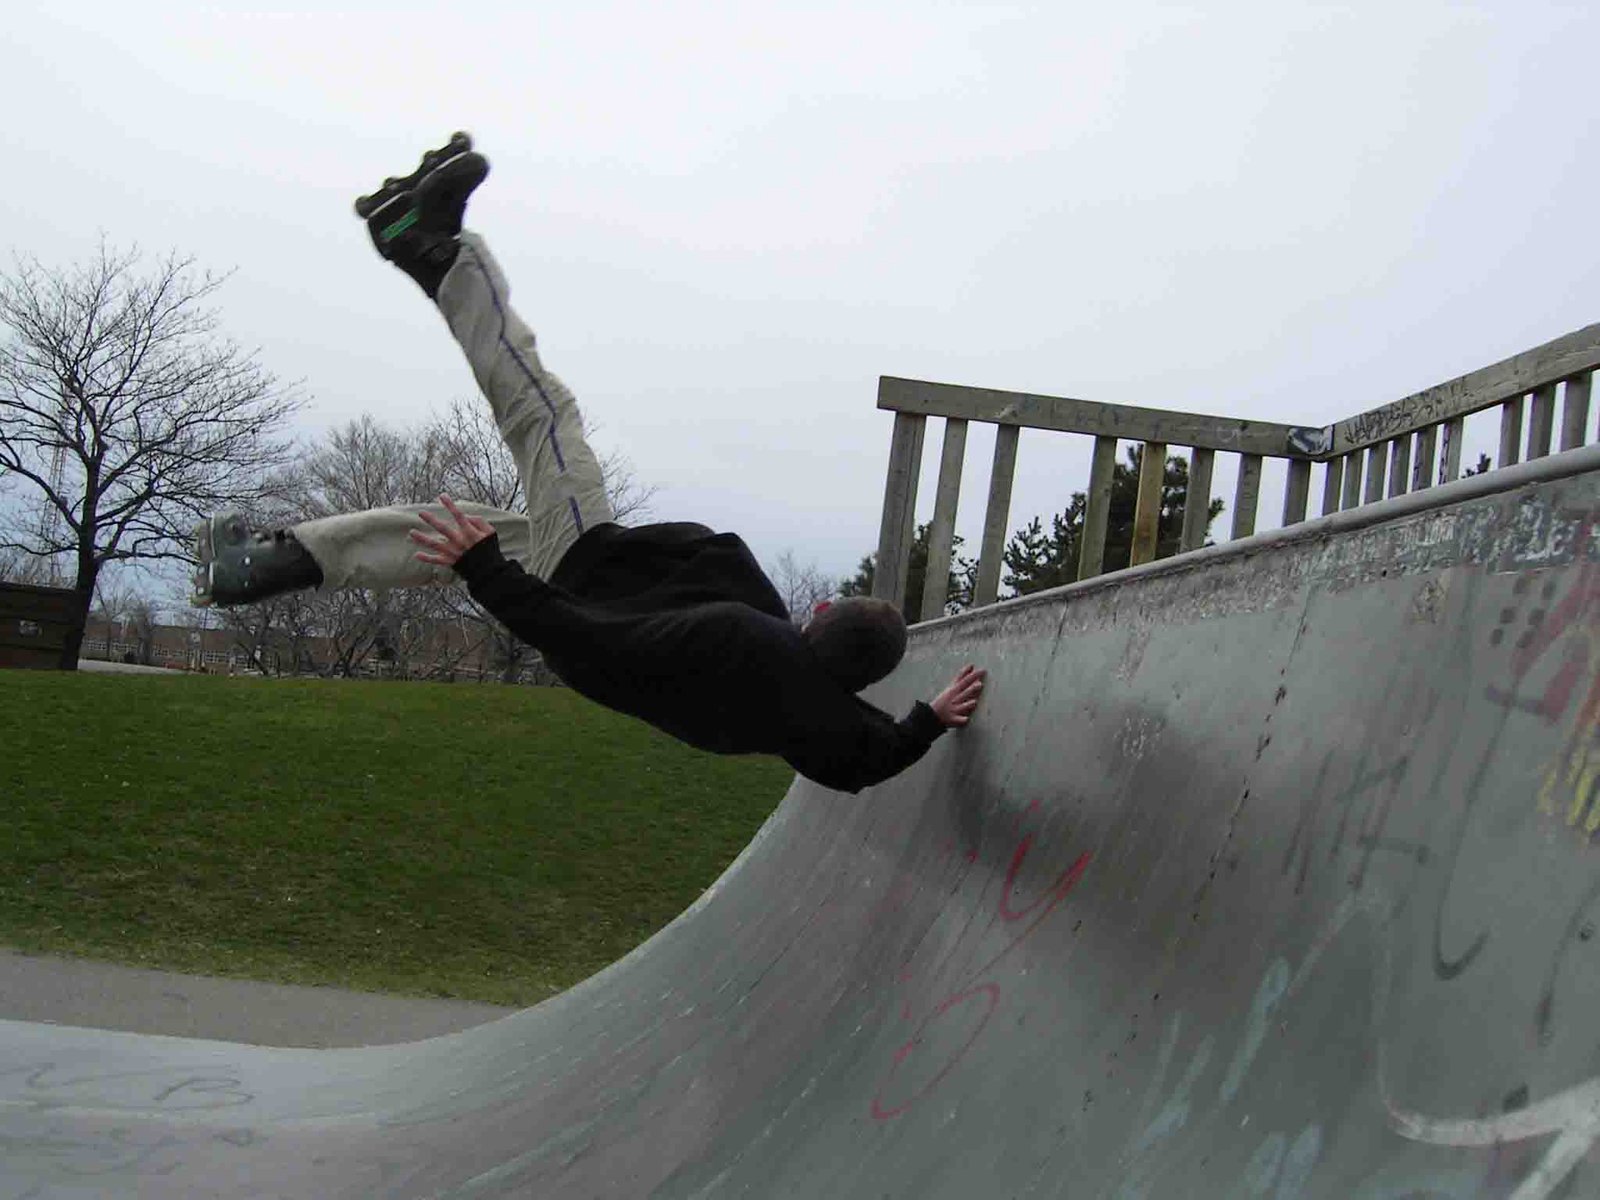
241	565
415	221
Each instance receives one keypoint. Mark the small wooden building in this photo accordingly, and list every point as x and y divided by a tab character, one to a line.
34	622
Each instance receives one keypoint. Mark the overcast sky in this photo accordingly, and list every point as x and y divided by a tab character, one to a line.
726	221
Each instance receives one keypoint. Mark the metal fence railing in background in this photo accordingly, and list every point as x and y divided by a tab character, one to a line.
1410	444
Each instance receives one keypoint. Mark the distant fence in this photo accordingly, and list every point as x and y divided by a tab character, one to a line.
34	624
1410	444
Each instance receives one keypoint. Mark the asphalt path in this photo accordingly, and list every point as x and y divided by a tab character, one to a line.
66	991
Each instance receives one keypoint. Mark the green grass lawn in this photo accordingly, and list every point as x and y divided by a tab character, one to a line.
481	842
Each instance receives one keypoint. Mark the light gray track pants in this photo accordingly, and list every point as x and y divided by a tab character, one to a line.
538	419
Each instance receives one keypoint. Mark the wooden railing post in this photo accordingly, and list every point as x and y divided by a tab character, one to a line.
895	531
1197	505
1332	480
1297	491
1352	481
1542	421
1427	451
1399	464
990	557
941	538
1510	433
1574	411
1097	508
1147	508
1455	429
1247	495
1375	465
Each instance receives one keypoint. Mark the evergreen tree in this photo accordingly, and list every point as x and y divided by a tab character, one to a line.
1035	560
958	591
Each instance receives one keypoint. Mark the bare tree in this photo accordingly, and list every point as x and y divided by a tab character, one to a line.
802	587
357	466
365	465
17	567
478	466
114	599
125	413
416	632
141	622
117	600
630	499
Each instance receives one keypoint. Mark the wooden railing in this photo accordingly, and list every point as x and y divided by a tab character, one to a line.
1407	445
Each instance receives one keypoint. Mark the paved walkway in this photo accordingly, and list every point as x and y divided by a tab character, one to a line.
101	666
63	991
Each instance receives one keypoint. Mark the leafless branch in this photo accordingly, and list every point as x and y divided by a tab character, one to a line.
802	587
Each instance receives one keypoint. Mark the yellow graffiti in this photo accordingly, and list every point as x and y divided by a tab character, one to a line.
1571	778
1547	790
1580	799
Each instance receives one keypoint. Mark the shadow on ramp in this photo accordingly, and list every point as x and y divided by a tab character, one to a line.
1266	872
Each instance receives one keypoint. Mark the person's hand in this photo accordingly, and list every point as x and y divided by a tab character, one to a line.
455	537
954	705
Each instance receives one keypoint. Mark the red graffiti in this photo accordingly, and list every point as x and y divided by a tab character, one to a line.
1565	637
988	992
1056	894
974	999
1579	608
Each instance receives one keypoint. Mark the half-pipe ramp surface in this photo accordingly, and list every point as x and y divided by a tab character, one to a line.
1266	872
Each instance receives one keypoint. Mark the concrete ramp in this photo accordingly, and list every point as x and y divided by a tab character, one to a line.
1269	872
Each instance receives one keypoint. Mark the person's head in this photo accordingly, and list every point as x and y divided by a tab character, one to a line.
858	640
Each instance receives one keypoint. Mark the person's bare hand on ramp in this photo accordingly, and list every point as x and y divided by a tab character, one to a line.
954	706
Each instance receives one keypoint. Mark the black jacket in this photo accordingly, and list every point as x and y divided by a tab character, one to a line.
680	627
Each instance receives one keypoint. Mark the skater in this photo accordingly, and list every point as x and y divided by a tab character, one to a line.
671	623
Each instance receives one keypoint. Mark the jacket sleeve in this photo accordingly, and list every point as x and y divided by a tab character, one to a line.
866	748
525	604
